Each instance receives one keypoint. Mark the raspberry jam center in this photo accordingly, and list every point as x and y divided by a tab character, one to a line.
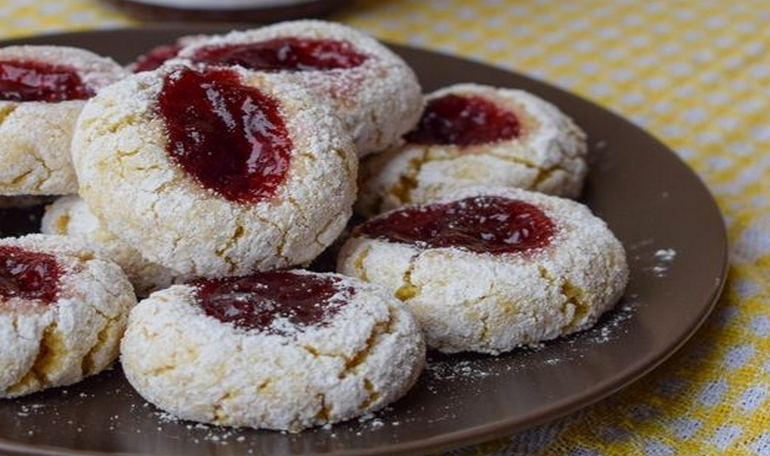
28	275
484	224
273	301
284	54
229	137
464	121
28	80
156	57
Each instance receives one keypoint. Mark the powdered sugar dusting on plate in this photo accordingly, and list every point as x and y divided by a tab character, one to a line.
663	258
442	373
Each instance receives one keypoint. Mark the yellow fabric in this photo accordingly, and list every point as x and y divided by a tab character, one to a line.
696	73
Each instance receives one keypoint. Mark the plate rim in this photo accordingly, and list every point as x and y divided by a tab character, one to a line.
480	433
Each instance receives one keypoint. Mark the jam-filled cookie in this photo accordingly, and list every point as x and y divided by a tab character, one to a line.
489	269
42	90
471	135
372	90
281	350
70	216
215	171
62	313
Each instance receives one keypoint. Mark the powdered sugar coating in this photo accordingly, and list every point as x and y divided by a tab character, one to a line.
468	301
35	136
198	368
377	101
549	157
70	216
48	345
146	199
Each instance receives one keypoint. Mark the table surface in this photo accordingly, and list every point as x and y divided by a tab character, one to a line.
696	73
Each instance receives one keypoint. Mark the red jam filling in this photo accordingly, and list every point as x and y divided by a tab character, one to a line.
484	224
464	121
156	57
28	80
284	54
229	137
28	275
258	301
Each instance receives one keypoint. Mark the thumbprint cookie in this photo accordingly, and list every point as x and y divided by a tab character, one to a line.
213	171
282	350
62	313
490	269
42	90
473	135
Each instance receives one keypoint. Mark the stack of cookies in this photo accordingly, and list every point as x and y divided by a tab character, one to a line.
206	178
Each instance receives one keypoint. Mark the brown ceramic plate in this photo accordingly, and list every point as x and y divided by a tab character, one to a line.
647	195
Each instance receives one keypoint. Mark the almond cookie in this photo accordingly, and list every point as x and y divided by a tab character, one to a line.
282	350
62	313
372	90
42	90
490	269
215	171
471	135
70	216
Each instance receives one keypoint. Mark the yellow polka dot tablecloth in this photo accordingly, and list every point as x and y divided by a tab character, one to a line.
696	73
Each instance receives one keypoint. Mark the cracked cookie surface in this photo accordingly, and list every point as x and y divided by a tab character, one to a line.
372	90
283	350
538	148
70	216
62	313
35	134
469	300
192	223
